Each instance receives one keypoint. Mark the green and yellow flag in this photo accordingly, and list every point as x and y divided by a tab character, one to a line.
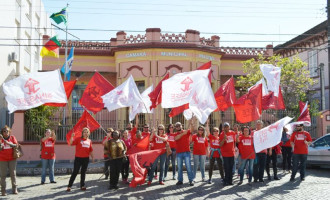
51	48
59	17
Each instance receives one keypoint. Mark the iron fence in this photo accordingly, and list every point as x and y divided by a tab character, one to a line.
62	125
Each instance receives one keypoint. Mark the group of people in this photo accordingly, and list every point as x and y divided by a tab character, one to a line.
226	148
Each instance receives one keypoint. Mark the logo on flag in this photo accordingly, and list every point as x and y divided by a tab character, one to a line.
30	84
186	82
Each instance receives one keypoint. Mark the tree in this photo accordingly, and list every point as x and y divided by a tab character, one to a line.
295	80
37	120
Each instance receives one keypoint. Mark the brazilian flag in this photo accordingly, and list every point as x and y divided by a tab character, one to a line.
59	17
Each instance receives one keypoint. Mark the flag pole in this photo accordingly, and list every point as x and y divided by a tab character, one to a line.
66	56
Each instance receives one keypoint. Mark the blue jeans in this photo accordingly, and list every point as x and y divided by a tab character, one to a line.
50	164
242	166
162	159
199	160
299	160
259	167
185	156
234	166
171	157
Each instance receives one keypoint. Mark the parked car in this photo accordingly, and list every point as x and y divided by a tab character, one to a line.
319	151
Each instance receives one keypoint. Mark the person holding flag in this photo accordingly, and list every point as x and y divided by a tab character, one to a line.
125	167
172	156
260	161
200	150
300	140
48	155
84	150
286	150
227	145
105	156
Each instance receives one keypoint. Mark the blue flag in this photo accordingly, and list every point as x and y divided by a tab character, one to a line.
69	62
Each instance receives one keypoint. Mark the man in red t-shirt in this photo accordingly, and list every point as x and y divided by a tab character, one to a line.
227	145
300	140
183	152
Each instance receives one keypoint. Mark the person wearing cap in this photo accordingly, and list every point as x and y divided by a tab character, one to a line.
227	145
182	138
106	169
260	161
300	140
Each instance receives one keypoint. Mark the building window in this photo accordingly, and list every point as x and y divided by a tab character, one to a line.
312	63
76	95
140	85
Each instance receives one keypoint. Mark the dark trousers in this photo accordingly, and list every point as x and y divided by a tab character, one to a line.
273	159
115	168
124	169
299	160
79	163
259	167
106	169
228	163
287	155
219	162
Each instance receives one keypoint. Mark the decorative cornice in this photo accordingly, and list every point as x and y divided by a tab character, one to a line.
134	67
171	66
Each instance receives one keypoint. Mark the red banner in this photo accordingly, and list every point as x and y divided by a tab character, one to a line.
225	95
68	86
156	95
270	101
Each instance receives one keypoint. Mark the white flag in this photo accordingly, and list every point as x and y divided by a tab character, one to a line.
273	77
177	90
143	106
203	103
125	95
269	136
34	89
188	114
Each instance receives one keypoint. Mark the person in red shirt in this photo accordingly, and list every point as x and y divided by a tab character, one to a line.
48	155
125	166
300	140
159	139
7	161
84	149
227	145
286	150
260	161
236	129
200	150
214	151
246	150
183	152
106	169
172	156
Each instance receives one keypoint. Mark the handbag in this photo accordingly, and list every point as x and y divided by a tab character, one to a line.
17	151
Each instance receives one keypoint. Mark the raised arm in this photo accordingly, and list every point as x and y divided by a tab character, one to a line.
136	121
207	127
71	139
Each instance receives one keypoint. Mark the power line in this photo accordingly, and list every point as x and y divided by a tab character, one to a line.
140	31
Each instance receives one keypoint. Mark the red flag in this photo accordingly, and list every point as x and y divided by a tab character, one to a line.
177	110
139	162
248	107
68	86
304	112
270	101
142	145
225	95
97	87
86	120
156	95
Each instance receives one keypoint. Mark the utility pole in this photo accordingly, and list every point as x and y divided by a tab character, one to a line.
322	85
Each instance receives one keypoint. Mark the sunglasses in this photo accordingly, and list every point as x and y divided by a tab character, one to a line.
5	131
200	129
161	129
215	131
145	127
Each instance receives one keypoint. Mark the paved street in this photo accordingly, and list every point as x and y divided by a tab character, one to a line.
316	186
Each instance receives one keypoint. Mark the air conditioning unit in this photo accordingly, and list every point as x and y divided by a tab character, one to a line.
14	57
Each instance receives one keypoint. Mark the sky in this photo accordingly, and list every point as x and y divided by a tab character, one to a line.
239	23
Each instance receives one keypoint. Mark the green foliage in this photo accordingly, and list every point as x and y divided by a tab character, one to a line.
295	79
39	119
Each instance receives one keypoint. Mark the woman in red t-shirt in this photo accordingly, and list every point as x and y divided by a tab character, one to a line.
159	140
214	151
246	150
7	161
200	150
171	135
48	155
106	169
84	149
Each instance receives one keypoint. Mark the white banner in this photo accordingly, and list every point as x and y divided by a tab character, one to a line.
177	90
269	136
125	95
143	106
273	77
203	103
34	89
